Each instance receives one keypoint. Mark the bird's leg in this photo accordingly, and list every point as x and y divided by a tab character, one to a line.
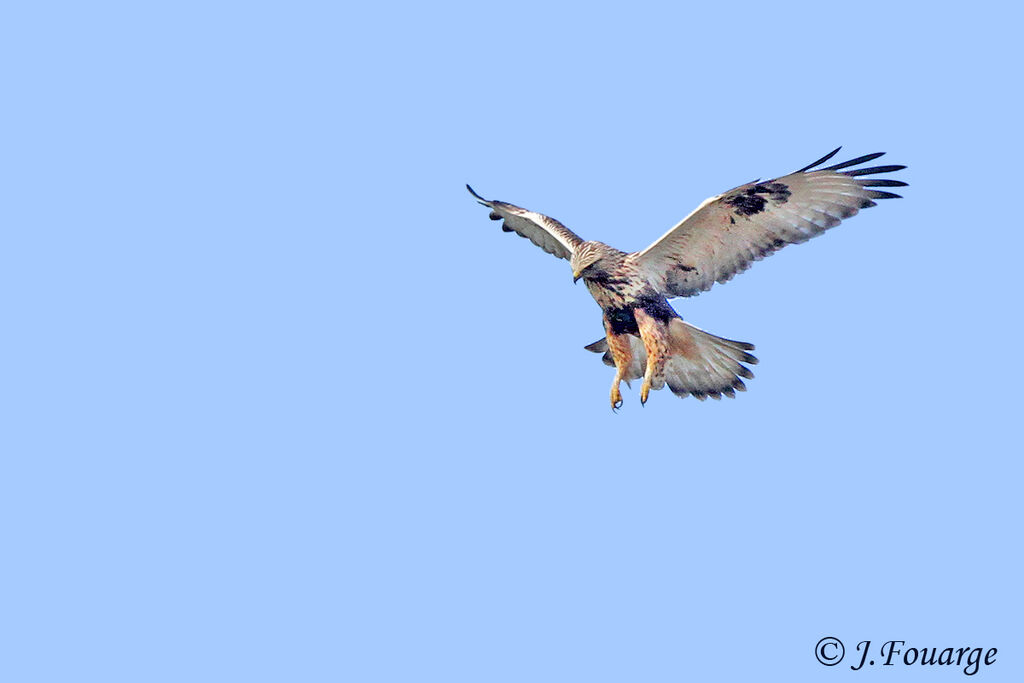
654	334
622	353
616	395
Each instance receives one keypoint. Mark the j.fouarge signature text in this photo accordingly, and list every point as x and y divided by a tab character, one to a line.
969	658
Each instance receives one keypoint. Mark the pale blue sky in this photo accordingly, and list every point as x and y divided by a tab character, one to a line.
280	403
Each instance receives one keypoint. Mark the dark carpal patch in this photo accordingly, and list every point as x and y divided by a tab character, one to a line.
747	204
753	200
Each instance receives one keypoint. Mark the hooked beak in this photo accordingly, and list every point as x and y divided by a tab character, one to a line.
575	277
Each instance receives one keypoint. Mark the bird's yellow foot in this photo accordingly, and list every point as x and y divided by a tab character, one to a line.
644	391
616	397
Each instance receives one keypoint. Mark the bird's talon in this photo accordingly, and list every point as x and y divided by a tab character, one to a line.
616	398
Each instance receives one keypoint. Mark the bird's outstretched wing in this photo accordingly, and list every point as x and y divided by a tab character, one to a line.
544	231
725	234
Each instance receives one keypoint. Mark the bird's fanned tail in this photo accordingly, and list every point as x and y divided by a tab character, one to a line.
701	364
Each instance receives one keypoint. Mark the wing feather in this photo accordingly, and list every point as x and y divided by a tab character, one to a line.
726	233
544	231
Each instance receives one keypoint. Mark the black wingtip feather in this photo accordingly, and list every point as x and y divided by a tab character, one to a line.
854	162
881	182
874	169
478	197
821	160
879	194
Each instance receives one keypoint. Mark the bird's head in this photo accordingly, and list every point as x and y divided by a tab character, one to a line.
593	260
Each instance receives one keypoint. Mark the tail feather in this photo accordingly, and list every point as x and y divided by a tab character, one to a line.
701	365
704	365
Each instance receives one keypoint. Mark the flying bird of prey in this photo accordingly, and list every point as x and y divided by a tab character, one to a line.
644	336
